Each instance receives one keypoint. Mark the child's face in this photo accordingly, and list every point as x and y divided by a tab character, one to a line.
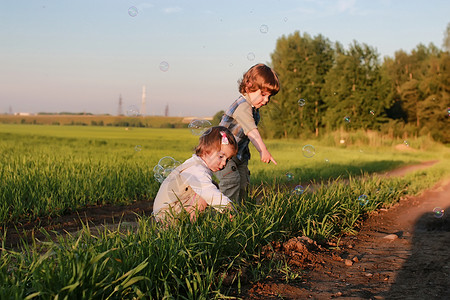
216	160
259	98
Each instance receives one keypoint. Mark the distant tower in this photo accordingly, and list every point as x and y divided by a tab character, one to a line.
166	111
120	111
143	101
10	110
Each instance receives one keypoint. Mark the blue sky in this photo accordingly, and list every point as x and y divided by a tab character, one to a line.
65	55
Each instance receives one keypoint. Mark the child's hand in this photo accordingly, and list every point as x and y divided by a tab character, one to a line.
267	157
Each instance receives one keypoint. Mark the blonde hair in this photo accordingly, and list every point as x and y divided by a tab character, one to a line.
260	77
212	140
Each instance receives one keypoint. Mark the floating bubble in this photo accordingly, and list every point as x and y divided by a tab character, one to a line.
308	151
406	143
301	102
327	160
137	148
438	212
347	119
164	66
168	162
298	190
251	56
289	176
264	28
285	19
363	200
164	167
132	111
198	126
157	173
133	11
448	111
372	112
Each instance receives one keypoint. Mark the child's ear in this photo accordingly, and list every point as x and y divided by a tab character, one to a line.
248	85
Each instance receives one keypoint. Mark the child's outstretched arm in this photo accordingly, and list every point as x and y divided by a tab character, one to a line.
257	141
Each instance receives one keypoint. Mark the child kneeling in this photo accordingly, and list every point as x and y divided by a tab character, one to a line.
190	186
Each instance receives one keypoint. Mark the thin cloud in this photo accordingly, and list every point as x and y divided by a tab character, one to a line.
144	6
172	10
346	6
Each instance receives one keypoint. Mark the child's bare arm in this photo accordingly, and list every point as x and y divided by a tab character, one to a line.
257	141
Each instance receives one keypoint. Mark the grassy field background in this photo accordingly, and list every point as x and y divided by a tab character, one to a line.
47	170
50	169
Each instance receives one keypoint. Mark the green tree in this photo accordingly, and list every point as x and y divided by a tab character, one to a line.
447	38
217	117
355	92
301	63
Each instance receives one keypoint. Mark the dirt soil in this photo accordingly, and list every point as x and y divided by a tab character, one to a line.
400	253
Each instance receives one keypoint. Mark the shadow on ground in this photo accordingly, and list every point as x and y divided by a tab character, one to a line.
426	272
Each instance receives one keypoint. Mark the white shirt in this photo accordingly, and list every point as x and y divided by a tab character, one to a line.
193	173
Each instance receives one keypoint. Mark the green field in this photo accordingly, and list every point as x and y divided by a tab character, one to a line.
49	170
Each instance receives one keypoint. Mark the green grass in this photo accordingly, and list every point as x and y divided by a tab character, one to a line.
190	260
46	168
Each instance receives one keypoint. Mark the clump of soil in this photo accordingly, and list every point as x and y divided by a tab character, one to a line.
299	251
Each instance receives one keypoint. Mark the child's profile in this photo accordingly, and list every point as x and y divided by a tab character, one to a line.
190	187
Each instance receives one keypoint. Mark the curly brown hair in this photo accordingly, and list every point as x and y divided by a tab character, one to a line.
260	77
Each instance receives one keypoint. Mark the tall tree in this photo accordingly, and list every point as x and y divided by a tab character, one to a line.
354	91
301	62
447	38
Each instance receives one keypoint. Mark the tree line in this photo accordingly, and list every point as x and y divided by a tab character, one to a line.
325	87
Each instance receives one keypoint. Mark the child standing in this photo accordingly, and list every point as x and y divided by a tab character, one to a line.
258	84
190	186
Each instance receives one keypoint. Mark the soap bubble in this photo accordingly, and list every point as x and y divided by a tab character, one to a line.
347	119
308	151
164	66
327	160
157	173
289	176
264	28
251	56
438	212
301	102
372	112
137	148
168	162
285	19
448	111
298	190
406	143
133	11
132	111
198	126
164	167
363	200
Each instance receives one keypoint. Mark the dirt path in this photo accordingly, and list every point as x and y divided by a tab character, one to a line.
400	253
